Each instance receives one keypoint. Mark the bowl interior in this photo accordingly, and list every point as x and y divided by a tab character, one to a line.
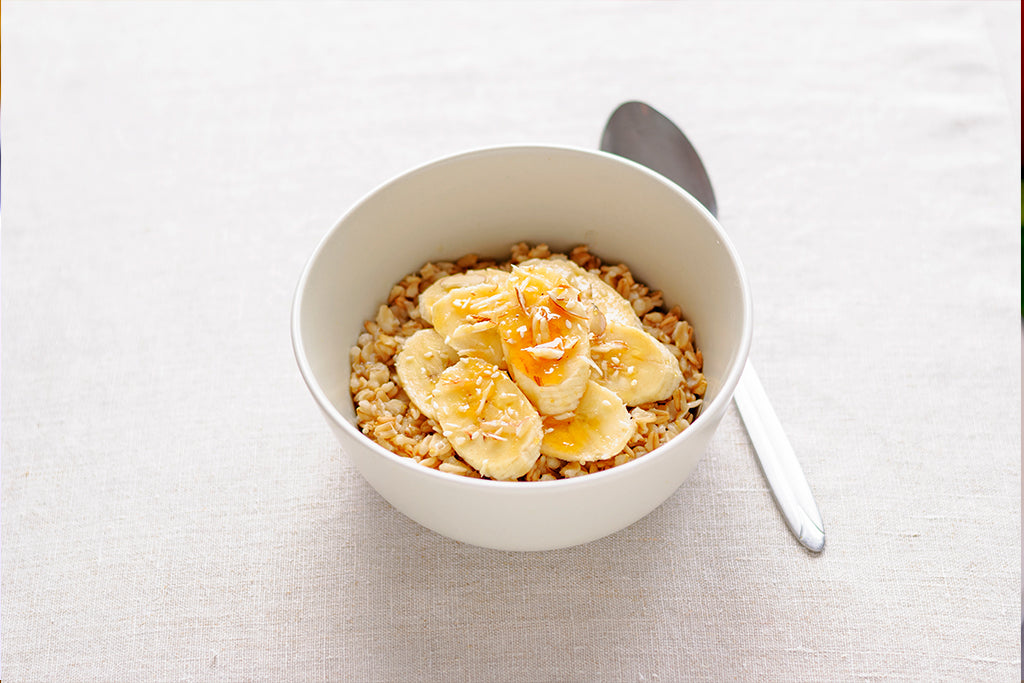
486	201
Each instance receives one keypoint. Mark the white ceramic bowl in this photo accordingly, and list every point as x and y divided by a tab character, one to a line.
485	201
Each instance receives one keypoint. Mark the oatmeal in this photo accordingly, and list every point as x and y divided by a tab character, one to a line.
544	366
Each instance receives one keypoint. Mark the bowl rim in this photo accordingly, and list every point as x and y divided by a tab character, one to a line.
718	405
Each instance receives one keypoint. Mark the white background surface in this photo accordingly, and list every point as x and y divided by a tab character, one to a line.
173	507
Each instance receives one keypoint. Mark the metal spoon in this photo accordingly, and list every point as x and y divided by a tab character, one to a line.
640	133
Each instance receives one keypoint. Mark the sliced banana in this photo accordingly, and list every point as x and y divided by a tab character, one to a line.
431	294
545	338
467	317
612	305
599	428
487	419
635	365
423	357
576	351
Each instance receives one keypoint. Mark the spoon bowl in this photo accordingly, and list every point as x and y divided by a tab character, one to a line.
640	132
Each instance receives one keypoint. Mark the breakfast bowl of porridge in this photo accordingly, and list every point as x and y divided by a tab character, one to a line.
526	347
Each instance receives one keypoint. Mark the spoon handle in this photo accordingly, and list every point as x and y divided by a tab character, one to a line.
778	462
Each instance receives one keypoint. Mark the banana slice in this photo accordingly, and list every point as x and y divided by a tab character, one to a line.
635	365
545	338
423	357
487	419
599	429
595	291
434	292
467	317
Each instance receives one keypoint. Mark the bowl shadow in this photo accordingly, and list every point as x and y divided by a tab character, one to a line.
392	600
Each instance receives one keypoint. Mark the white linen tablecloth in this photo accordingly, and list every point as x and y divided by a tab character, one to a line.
173	506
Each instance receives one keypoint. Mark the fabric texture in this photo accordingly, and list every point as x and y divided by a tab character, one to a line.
174	507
